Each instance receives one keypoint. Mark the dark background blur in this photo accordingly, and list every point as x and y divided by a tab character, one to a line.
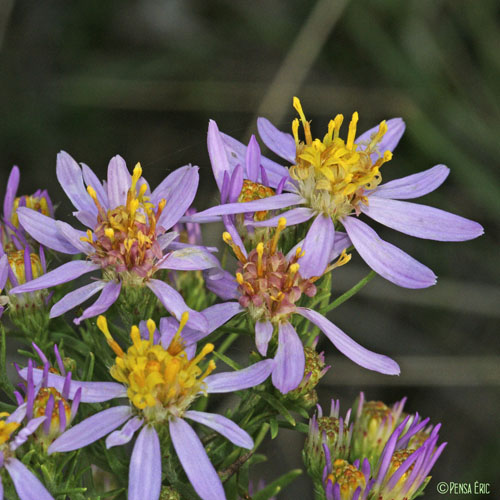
142	78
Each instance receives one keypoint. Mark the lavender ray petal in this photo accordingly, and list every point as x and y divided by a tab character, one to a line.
93	181
67	272
180	199
175	305
386	259
119	181
144	480
92	392
395	130
290	359
278	142
108	297
219	314
18	414
166	239
223	426
27	485
293	216
217	153
75	298
242	379
341	242
69	175
74	237
10	192
272	203
236	154
189	259
91	429
44	230
1	484
350	348
170	184
236	184
422	221
194	460
318	245
4	270
223	284
413	186
252	160
26	432
263	334
86	218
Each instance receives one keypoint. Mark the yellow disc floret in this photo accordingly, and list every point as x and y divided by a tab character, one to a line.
348	477
161	381
6	428
37	203
16	262
334	174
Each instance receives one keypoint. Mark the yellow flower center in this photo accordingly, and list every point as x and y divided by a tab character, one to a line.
347	476
16	262
33	202
6	428
252	191
125	237
40	406
160	382
334	174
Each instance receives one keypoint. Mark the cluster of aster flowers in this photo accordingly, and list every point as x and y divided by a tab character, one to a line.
113	398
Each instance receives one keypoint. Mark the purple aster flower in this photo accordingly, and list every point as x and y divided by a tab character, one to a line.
335	181
41	399
27	485
39	201
126	239
160	393
268	285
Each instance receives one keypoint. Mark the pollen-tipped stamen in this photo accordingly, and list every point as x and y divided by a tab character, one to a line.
102	324
228	240
279	228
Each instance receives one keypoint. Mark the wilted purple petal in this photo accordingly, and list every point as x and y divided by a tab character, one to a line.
223	426
290	359
413	186
180	199
271	203
194	460
263	334
92	392
75	298
386	259
236	154
395	130
421	221
223	284
119	181
350	348
294	216
189	259
62	274
91	429
69	175
317	248
217	153
278	142
44	230
93	181
252	160
144	479
73	236
10	192
241	379
175	305
108	297
28	487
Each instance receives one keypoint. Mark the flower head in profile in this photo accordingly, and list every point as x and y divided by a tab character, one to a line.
161	381
12	436
268	286
126	239
334	181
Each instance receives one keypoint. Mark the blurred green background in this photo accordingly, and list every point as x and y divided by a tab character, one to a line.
142	78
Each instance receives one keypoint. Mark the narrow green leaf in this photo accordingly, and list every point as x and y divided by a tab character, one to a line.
279	406
276	486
